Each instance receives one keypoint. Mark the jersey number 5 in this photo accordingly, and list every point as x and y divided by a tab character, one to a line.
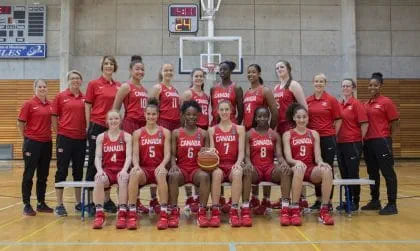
152	152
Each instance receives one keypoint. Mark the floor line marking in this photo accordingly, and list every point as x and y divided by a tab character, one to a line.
232	246
122	243
11	222
307	238
19	203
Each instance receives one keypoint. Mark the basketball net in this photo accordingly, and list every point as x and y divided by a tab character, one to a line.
211	70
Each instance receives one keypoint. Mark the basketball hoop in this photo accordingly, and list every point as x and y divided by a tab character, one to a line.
211	69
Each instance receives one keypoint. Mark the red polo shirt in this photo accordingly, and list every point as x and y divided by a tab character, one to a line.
380	111
37	116
101	93
70	111
353	114
322	113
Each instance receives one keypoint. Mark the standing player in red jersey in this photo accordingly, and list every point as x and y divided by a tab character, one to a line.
303	152
377	149
34	123
227	90
151	155
187	141
169	101
196	92
325	118
229	140
134	97
258	96
68	120
262	145
286	92
349	139
112	161
100	96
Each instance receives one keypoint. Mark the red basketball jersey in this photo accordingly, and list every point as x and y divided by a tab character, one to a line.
188	147
151	148
221	93
169	103
135	103
262	148
284	98
203	101
227	144
302	147
113	152
252	100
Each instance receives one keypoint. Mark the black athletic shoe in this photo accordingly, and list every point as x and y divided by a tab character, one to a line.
42	207
344	207
316	205
110	207
389	209
90	209
28	210
60	211
372	205
78	206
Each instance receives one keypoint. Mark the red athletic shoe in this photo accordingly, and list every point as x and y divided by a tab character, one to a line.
303	203
131	220
173	220
325	216
276	205
99	220
234	219
285	216
121	219
215	218
295	218
154	206
195	205
226	207
246	217
254	202
141	209
163	221
263	207
202	220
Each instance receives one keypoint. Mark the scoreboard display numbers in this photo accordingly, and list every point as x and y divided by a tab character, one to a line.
183	18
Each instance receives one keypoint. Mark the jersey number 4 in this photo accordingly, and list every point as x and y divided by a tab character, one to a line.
114	158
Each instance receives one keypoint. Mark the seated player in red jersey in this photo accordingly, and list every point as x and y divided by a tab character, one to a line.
196	92
151	154
303	152
112	160
262	145
229	140
187	141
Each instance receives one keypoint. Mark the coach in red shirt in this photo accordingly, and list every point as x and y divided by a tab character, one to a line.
34	123
325	118
349	148
68	120
100	95
377	150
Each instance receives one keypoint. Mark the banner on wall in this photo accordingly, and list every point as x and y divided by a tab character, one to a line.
23	50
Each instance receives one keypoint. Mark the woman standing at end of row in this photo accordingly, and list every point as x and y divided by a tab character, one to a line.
34	123
377	149
69	123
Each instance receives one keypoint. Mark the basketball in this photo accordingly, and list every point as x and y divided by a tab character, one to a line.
207	159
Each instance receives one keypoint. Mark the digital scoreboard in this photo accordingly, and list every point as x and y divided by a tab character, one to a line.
23	31
183	18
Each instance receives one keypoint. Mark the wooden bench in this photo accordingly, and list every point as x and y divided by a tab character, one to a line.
342	183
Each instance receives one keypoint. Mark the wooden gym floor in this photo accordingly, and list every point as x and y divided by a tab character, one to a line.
364	231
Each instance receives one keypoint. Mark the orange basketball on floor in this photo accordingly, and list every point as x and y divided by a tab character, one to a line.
207	159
